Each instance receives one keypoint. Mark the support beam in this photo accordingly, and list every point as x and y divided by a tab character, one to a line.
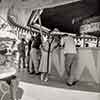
97	41
42	3
34	16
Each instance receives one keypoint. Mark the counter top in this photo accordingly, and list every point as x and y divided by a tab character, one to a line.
7	70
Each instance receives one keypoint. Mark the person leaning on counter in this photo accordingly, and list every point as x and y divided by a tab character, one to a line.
70	53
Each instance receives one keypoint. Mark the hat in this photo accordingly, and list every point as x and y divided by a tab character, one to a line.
57	32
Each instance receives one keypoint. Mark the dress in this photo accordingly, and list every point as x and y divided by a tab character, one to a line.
43	62
58	59
55	58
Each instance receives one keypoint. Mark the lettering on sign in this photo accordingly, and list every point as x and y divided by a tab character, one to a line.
93	27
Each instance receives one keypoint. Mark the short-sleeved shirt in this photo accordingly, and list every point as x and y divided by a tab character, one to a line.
29	47
36	42
69	45
21	48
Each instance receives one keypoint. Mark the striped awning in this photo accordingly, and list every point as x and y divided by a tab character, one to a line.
34	3
22	9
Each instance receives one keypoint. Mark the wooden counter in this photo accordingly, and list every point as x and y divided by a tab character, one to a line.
88	68
88	65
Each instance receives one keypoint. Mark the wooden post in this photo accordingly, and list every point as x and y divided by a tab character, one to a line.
49	48
40	26
48	57
83	39
97	45
18	34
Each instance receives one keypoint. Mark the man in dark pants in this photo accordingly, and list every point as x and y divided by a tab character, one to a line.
28	53
35	54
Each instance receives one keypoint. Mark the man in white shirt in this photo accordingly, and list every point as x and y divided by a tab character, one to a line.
70	54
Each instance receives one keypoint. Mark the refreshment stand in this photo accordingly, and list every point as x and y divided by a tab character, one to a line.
88	57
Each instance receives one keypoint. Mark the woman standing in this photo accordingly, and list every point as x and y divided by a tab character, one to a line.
45	64
44	69
35	54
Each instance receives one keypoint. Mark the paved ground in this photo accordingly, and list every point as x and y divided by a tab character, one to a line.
55	81
40	92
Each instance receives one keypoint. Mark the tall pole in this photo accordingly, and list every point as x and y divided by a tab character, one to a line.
97	45
49	49
48	57
83	39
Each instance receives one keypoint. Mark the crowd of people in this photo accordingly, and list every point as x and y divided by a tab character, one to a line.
43	50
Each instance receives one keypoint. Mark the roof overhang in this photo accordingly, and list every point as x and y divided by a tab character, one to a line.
34	4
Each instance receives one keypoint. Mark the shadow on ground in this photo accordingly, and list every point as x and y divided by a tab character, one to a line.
56	82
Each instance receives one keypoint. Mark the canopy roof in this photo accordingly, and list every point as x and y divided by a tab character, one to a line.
69	17
66	15
34	4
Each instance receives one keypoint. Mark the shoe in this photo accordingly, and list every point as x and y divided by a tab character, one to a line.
72	83
31	73
38	73
69	84
28	70
46	79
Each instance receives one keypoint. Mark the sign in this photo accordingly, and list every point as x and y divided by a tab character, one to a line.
88	28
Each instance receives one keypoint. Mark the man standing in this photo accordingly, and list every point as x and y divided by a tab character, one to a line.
28	52
35	54
70	54
21	50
